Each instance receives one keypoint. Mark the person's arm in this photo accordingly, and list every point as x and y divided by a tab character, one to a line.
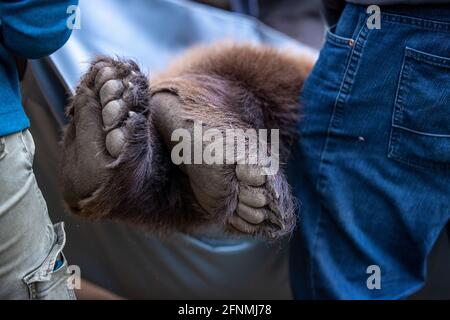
34	28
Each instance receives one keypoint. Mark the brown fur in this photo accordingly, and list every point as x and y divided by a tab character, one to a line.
254	86
241	85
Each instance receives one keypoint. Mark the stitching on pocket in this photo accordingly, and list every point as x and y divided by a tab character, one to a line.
398	129
417	163
338	40
398	101
427	57
25	148
402	86
43	272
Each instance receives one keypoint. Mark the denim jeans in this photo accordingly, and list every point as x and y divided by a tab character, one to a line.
30	246
372	165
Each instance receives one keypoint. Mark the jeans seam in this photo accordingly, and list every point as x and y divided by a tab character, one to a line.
25	148
349	76
3	151
360	40
397	110
419	164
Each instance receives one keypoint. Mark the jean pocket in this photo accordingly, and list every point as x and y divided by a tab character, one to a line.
49	281
330	67
420	134
333	38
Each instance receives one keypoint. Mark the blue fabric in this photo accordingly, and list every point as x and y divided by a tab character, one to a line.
372	168
30	29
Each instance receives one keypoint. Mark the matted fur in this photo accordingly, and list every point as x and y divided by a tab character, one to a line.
224	85
253	86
